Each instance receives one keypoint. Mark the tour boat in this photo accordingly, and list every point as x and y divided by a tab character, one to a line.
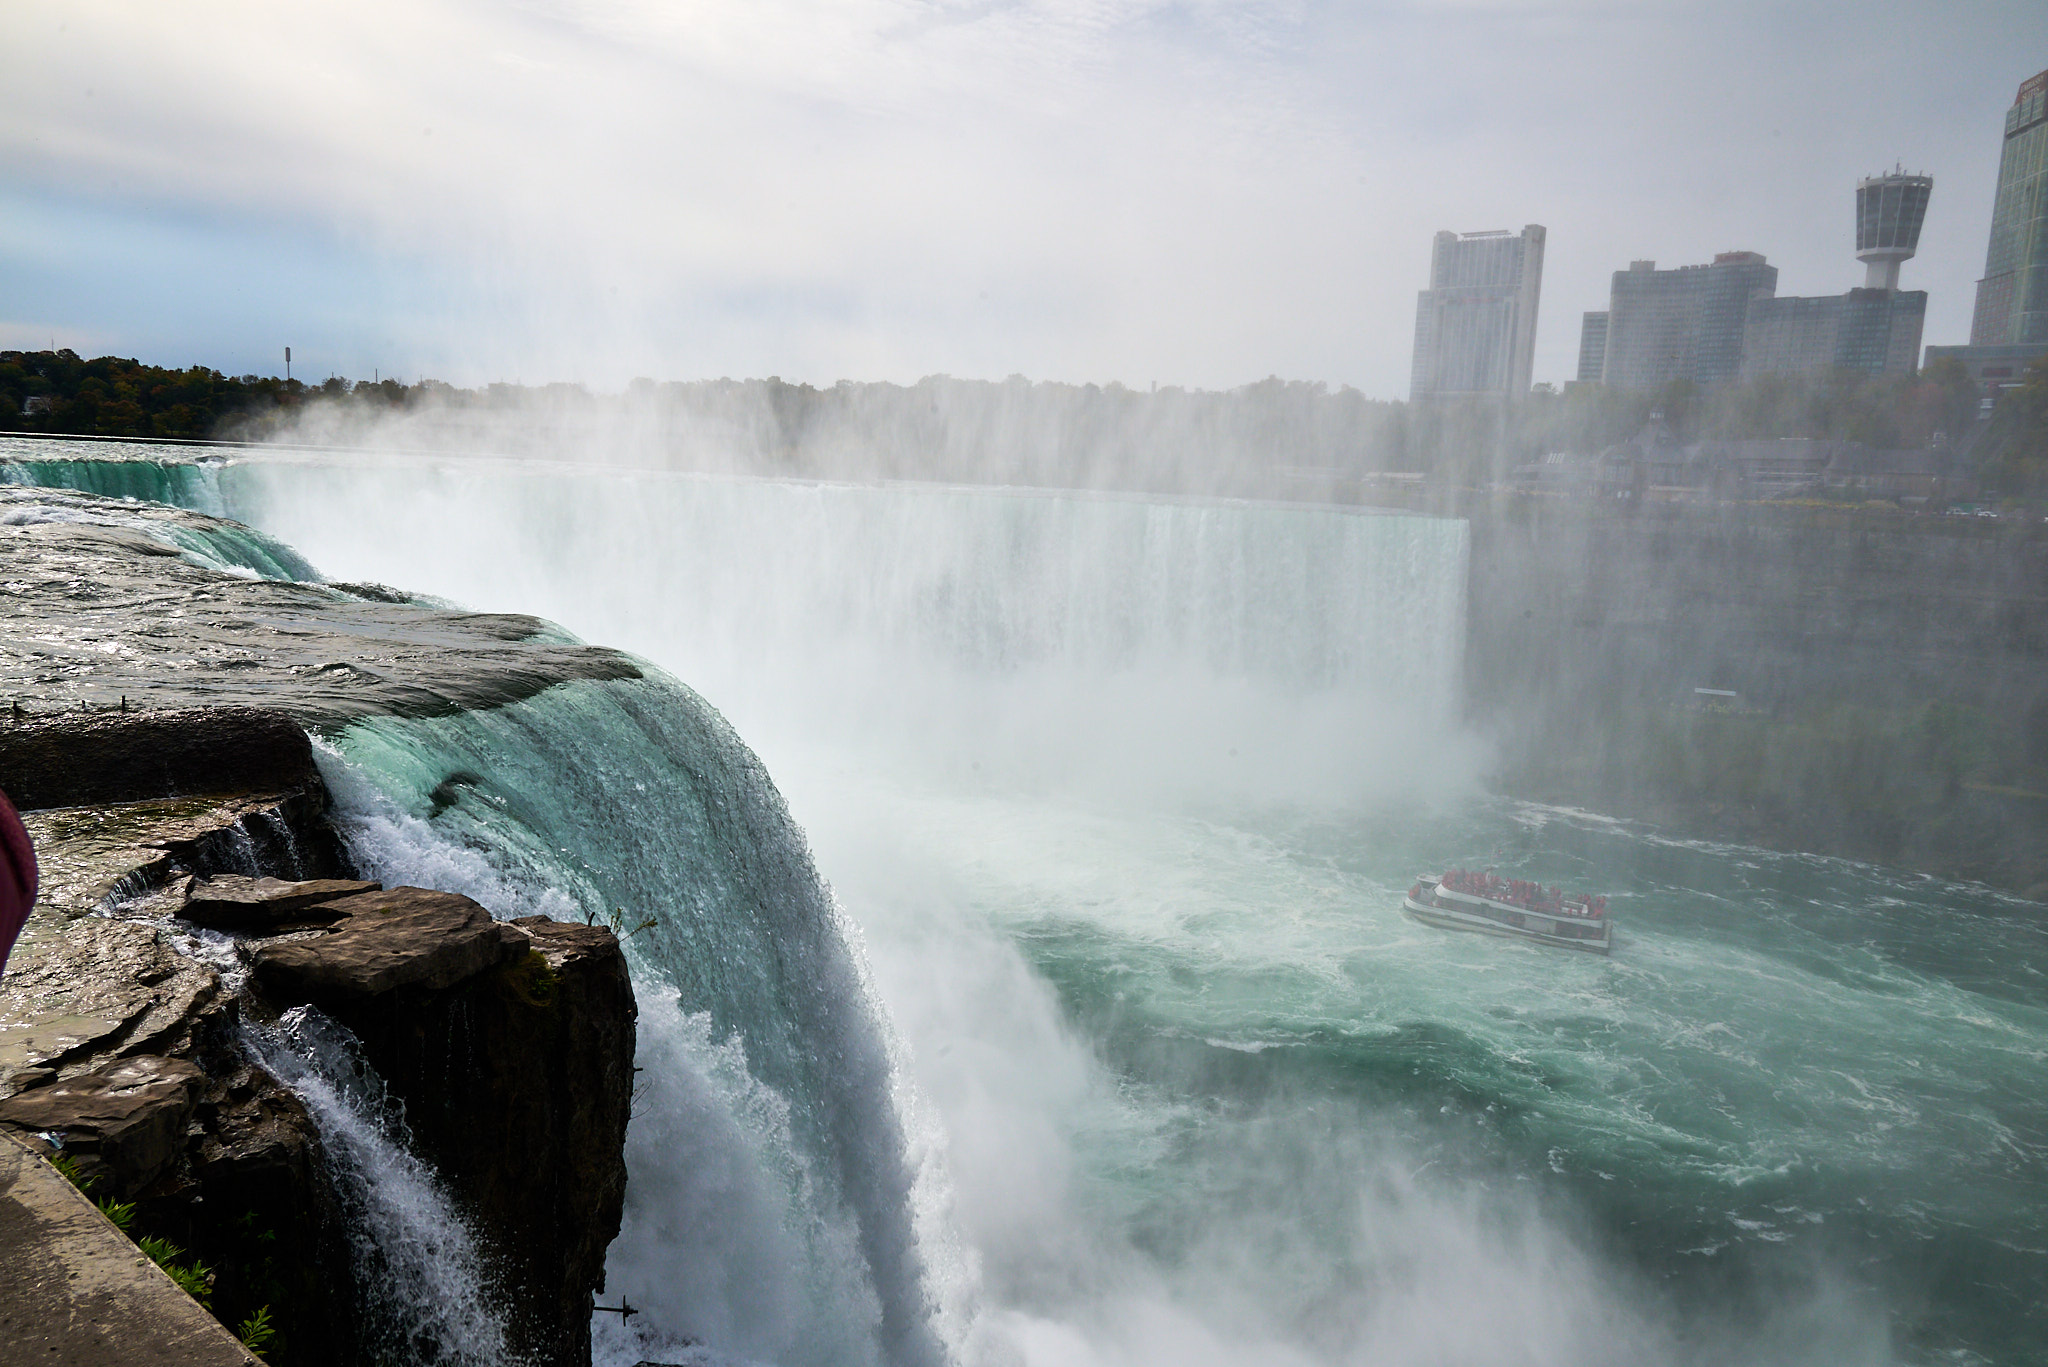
1463	900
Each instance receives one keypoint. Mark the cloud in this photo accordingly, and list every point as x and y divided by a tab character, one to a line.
1087	189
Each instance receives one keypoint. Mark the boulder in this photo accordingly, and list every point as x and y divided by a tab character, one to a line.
230	901
383	941
124	1123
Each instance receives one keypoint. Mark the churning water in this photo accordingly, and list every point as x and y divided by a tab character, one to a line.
1111	1046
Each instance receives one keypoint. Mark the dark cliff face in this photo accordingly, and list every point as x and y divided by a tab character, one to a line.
156	732
511	1045
1881	680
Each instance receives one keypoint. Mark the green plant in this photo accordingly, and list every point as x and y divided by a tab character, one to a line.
618	920
257	1331
120	1213
195	1277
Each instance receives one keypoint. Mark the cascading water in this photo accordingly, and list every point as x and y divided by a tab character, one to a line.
91	468
425	1289
634	802
1122	839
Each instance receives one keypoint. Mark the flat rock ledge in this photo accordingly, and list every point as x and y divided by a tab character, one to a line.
382	941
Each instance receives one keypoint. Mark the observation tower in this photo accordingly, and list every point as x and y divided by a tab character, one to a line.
1889	210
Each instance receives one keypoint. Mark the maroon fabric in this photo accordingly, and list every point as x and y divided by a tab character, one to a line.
17	877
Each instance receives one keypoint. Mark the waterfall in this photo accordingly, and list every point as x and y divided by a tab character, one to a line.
786	1203
1274	652
93	468
635	803
425	1294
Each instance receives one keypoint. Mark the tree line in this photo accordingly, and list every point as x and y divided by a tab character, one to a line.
1167	439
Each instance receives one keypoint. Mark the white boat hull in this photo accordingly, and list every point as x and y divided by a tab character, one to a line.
1534	926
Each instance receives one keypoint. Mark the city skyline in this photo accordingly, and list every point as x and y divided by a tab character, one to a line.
1105	192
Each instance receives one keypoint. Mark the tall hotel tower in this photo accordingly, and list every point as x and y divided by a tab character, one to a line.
1475	326
2012	298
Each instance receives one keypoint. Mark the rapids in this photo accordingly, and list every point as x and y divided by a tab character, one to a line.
1115	801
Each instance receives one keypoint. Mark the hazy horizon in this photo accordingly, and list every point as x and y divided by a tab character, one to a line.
1189	194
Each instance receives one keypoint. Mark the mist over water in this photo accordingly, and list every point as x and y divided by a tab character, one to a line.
1117	800
1119	644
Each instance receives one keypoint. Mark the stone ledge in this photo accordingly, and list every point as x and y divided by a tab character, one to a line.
78	1294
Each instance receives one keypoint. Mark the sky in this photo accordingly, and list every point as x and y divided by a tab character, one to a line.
1185	192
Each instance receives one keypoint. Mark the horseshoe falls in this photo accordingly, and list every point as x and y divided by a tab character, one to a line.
1039	995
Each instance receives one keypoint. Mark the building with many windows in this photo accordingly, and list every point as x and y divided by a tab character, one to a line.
1712	324
1475	326
1875	328
2012	298
2009	330
1592	345
1683	324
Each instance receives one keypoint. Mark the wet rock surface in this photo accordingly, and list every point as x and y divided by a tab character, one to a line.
80	993
383	941
102	606
92	857
231	901
124	1122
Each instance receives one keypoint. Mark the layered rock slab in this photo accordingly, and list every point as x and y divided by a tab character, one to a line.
238	902
102	611
384	941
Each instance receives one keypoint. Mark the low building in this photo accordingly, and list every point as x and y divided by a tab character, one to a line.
1653	465
1993	369
1872	330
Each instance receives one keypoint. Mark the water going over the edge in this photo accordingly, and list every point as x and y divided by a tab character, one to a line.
1116	801
425	1285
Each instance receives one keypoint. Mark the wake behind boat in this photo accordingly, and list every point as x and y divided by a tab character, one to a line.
1491	905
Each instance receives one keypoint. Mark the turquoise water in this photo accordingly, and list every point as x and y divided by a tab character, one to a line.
1171	1080
1796	1117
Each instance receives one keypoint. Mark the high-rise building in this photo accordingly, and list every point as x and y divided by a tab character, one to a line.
1475	326
1683	324
1592	345
2012	298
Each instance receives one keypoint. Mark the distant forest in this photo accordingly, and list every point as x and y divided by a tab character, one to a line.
1255	438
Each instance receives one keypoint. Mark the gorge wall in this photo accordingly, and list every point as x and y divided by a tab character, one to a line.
1881	679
